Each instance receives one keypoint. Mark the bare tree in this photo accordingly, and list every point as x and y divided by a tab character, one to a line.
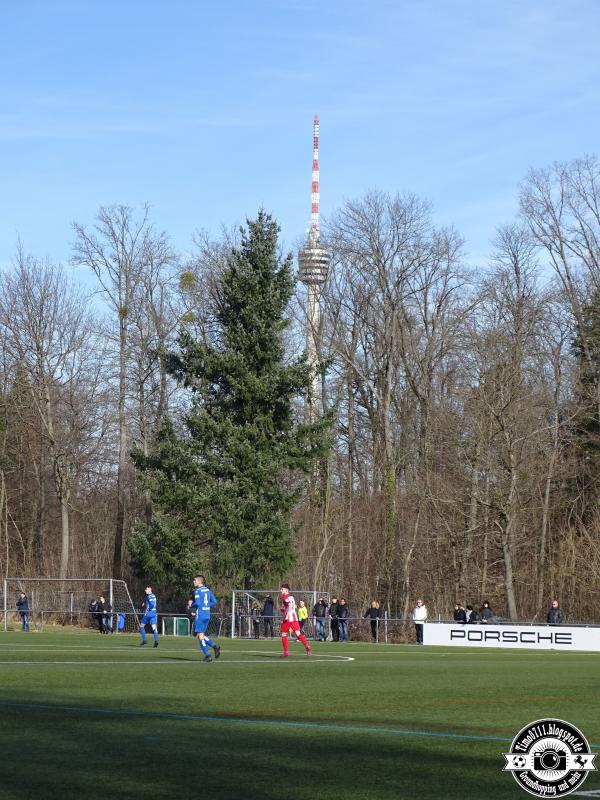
120	249
49	339
514	313
393	317
561	206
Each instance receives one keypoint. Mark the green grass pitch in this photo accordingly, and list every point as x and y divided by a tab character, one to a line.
89	717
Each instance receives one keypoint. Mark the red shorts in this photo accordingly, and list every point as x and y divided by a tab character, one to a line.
290	626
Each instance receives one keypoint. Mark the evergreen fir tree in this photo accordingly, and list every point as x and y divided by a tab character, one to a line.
224	491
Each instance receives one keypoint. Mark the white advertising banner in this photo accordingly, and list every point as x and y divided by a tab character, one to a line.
536	637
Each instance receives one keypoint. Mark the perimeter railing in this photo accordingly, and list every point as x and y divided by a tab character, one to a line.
385	630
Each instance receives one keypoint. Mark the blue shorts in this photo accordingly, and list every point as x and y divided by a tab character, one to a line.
148	619
201	624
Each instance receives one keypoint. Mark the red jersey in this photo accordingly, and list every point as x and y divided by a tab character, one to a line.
289	608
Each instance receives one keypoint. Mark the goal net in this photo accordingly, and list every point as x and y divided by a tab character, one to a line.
248	618
69	601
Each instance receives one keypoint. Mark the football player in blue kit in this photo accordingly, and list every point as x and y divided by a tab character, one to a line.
149	617
201	603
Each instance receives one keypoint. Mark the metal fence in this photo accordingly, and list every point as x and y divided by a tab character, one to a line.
109	623
359	629
386	630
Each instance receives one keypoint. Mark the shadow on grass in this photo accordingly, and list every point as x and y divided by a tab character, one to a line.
86	756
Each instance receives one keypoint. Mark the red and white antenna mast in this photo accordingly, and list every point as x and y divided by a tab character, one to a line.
315	190
312	258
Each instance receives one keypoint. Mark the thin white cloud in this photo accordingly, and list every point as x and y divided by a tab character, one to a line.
77	122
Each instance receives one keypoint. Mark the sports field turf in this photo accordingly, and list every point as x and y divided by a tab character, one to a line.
87	716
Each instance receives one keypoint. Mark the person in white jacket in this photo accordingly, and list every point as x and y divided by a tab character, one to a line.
419	617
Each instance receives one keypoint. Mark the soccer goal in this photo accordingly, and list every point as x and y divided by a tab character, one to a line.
246	621
68	601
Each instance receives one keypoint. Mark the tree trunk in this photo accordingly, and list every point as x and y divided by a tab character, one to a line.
508	535
4	522
122	467
408	559
350	471
389	491
65	532
486	528
541	570
39	522
509	577
471	524
325	528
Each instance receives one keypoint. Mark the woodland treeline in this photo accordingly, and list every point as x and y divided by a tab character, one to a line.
465	453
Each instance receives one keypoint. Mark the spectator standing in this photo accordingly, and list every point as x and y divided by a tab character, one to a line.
374	614
460	615
256	614
486	615
100	614
268	611
419	617
23	609
333	619
302	615
106	615
343	614
93	609
555	614
319	613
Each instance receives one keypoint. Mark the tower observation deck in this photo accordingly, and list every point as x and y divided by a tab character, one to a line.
313	260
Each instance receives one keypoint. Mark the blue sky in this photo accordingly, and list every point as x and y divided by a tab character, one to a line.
204	110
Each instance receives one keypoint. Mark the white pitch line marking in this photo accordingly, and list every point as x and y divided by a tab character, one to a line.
178	662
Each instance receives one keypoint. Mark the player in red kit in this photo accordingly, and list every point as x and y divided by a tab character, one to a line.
290	621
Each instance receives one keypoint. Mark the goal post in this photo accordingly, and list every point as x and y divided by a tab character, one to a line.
67	600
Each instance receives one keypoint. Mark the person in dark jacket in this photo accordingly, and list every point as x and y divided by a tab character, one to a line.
23	609
107	621
100	614
333	620
460	615
472	615
343	614
555	614
486	614
268	611
93	609
374	614
256	614
319	612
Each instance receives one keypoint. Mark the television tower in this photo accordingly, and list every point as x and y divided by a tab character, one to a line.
313	262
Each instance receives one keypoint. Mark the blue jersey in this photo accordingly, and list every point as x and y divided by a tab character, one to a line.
203	601
150	604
